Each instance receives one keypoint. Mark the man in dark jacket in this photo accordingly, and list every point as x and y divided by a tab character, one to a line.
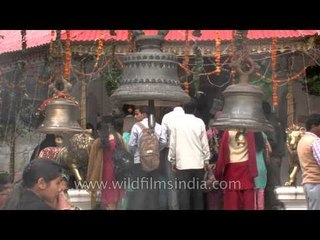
277	140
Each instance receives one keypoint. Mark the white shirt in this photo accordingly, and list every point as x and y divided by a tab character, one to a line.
168	119
188	146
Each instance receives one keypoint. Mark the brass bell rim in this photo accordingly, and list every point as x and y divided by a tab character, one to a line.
59	130
241	125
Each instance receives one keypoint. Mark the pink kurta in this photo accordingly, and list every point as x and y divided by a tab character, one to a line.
112	192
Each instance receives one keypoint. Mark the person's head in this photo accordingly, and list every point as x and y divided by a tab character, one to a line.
140	113
43	177
117	124
128	109
190	107
89	126
266	107
5	187
103	132
49	141
313	123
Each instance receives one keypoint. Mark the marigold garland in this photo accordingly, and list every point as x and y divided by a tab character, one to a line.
23	39
185	62
51	41
100	47
274	74
218	52
233	59
68	56
186	85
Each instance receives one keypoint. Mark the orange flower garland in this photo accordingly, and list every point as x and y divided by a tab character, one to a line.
68	57
274	74
100	48
51	41
185	62
218	52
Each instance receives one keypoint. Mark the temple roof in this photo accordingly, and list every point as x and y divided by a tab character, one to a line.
10	40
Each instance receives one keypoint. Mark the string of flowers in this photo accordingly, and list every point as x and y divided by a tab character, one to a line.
23	39
214	72
44	81
130	42
51	41
233	59
67	66
274	74
100	47
1	83
218	52
292	78
98	70
185	62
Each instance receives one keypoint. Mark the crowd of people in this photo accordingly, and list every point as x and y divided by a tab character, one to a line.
244	166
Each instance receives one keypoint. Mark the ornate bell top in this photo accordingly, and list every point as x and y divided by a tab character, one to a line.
147	43
150	74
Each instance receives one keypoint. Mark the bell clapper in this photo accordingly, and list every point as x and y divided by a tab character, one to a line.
240	138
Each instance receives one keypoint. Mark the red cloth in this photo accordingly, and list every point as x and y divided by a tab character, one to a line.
50	152
224	156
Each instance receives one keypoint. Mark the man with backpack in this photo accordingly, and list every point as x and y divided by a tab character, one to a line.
145	143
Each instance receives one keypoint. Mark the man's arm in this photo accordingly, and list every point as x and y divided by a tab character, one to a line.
162	137
316	150
172	147
133	141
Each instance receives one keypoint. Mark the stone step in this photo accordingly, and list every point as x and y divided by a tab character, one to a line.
293	198
81	198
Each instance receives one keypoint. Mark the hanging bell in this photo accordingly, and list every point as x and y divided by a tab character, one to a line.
242	108
60	117
150	74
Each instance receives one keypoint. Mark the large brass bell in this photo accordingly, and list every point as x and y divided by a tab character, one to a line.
242	108
60	117
150	75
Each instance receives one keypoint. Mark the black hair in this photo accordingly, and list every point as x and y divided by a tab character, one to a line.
104	132
259	141
266	108
117	124
44	168
191	106
313	120
126	107
143	109
89	126
49	141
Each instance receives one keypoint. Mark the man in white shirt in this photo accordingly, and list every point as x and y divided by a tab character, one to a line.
166	123
189	153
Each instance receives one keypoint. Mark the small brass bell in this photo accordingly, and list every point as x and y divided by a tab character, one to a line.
60	117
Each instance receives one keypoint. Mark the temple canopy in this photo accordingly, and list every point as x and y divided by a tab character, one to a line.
10	40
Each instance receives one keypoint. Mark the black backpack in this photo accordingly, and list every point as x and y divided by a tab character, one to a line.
123	162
